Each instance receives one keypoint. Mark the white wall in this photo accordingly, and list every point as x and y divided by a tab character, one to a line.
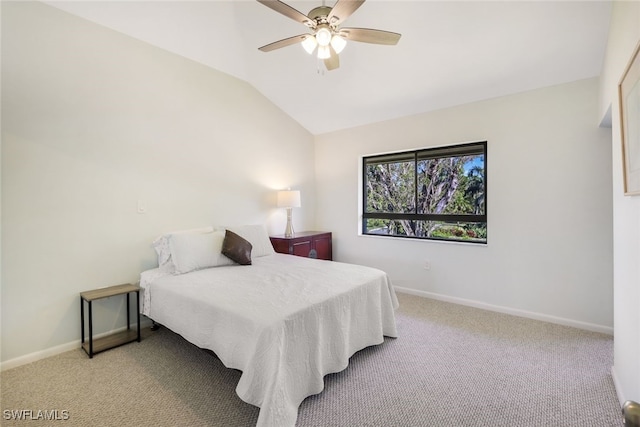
624	35
549	251
94	121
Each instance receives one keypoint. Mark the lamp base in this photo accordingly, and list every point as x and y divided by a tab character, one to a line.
288	232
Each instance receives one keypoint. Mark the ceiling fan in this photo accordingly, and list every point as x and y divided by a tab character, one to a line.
326	34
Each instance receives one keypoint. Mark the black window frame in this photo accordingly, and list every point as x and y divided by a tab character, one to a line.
472	148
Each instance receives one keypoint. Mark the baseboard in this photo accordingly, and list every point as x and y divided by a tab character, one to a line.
506	310
617	386
52	351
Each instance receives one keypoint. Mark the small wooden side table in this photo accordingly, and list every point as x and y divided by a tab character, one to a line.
113	340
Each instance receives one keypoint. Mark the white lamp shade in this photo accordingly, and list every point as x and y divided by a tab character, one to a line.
309	44
323	36
338	43
324	52
289	199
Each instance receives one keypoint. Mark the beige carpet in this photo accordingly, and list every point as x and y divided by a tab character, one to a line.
450	366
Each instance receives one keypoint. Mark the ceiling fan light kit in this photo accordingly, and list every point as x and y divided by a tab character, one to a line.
327	36
338	43
324	52
323	35
309	44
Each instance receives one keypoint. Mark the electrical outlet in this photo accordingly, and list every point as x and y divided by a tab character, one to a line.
426	265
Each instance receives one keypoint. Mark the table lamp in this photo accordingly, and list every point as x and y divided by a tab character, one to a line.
289	199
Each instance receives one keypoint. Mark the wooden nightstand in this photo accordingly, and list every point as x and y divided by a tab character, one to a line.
311	244
104	343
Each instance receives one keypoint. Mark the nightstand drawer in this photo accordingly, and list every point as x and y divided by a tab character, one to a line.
309	244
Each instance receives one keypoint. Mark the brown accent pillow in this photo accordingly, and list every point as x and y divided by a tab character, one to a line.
236	248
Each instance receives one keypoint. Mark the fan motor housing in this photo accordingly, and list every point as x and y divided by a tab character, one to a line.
320	14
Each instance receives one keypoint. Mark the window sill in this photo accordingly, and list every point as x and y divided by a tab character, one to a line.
410	239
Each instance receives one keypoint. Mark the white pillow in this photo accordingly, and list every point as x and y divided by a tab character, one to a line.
161	246
257	236
195	251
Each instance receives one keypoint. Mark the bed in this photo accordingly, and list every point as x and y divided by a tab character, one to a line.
284	321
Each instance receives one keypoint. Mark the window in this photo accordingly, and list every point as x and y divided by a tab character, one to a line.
433	193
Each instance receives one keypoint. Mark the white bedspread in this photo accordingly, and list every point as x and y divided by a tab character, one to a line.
284	321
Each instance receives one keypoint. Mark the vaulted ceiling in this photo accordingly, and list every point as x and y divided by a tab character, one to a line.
450	53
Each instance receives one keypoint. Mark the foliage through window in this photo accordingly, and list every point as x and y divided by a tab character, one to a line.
433	193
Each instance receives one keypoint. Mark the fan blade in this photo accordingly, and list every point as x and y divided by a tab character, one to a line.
367	35
333	61
289	12
284	42
342	10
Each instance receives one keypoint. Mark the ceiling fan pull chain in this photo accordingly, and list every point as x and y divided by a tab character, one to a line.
319	68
